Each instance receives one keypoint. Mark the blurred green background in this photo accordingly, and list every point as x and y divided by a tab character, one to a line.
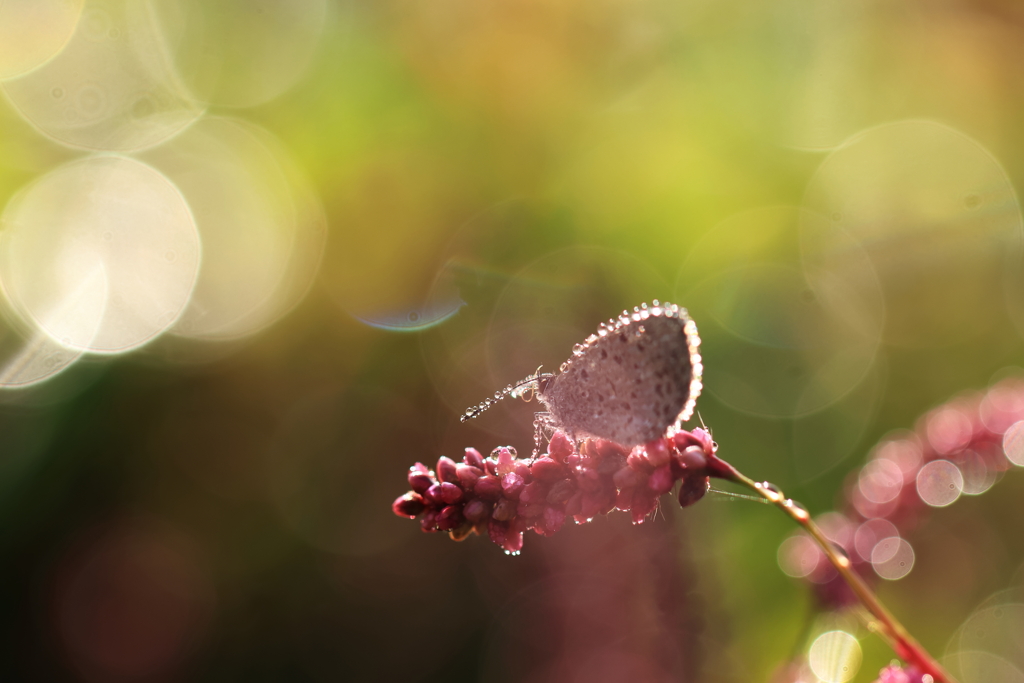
828	187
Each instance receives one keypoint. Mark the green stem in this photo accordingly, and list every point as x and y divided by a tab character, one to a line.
888	626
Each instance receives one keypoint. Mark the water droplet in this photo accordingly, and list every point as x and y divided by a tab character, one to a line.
799	555
892	558
939	483
1013	443
880	481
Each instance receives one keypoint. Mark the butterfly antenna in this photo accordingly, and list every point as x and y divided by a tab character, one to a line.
515	390
703	425
738	496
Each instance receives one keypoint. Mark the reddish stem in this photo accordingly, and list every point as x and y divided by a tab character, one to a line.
894	632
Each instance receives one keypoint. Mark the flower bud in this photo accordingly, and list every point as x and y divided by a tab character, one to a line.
692	459
450	518
644	503
512	484
547	469
462	532
602	448
574	505
468	476
504	510
433	495
450	493
475	510
428	522
589	479
560	448
513	542
506	458
561	492
638	462
446	470
693	489
551	521
488	487
410	505
534	492
625	478
473	458
497	530
657	452
661	480
420	481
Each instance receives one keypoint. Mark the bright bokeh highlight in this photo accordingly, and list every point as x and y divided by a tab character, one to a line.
835	657
101	254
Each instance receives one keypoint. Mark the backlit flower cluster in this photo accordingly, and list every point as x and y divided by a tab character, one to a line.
960	448
504	496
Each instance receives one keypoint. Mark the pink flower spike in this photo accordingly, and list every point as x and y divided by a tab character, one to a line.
503	496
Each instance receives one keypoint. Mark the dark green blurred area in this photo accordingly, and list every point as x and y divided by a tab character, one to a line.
499	177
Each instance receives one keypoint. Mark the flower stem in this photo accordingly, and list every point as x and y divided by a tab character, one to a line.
890	628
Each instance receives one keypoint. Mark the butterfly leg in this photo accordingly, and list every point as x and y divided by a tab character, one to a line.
543	427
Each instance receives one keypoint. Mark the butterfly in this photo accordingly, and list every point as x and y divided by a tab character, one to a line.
632	380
